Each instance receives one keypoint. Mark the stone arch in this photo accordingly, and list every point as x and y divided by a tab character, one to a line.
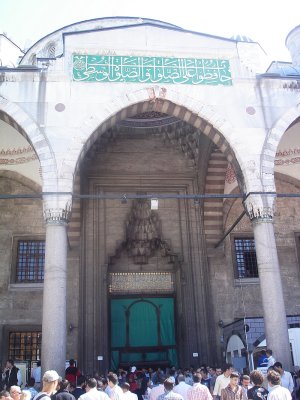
14	116
155	98
271	144
16	176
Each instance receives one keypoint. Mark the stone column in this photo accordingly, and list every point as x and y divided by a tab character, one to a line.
55	287
260	211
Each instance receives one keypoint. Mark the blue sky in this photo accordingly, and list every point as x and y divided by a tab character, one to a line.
265	21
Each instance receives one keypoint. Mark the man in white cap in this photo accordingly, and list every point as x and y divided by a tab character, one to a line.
50	381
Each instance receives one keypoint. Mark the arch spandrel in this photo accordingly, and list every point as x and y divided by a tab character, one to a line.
201	116
16	117
271	145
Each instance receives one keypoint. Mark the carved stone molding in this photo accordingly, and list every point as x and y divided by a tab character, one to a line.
259	207
57	215
143	235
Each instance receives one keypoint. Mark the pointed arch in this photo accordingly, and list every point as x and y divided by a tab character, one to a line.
271	144
16	117
155	98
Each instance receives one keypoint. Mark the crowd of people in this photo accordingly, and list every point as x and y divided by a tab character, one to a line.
203	383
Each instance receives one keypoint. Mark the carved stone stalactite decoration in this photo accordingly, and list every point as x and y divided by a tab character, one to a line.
185	137
143	235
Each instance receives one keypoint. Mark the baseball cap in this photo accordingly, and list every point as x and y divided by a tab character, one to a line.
51	376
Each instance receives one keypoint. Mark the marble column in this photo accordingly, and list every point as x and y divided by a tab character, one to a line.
55	288
260	211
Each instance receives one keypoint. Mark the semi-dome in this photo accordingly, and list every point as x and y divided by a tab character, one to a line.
51	45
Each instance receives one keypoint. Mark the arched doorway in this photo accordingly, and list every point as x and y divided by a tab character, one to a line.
124	241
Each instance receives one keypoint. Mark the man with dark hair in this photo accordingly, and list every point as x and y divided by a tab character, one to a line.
245	385
169	393
63	392
72	372
11	375
91	391
31	388
222	381
116	392
79	390
277	392
233	391
257	392
198	391
285	376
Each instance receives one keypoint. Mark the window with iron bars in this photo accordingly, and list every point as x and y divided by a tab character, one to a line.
25	346
30	260
245	258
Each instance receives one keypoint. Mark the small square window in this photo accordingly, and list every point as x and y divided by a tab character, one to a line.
245	258
30	260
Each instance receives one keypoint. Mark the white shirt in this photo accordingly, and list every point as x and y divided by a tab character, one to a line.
130	396
221	383
271	361
94	394
182	389
157	391
279	393
116	393
287	381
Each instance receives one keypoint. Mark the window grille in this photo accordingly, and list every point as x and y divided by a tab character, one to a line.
30	261
25	345
245	255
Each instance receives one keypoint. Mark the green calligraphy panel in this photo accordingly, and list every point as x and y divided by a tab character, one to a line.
190	71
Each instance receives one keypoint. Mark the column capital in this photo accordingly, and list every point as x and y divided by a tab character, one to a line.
57	208
260	207
57	215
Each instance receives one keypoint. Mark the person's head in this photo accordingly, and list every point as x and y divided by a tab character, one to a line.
10	363
256	377
38	364
273	378
263	352
228	369
31	382
125	387
197	378
198	372
269	352
64	384
204	373
218	371
168	384
245	381
212	371
234	379
4	395
91	383
25	395
112	379
278	367
181	378
161	379
15	392
72	362
50	381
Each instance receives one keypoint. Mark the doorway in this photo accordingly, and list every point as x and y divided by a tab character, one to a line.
143	332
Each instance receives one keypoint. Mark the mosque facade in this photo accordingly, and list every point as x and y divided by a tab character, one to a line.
149	202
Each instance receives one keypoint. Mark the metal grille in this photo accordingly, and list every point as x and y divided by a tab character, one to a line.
25	345
30	261
246	258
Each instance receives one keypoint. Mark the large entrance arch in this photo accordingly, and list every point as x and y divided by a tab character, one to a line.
154	146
